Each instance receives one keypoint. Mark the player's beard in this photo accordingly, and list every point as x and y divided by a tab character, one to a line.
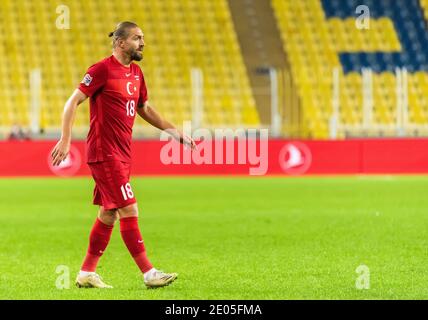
136	55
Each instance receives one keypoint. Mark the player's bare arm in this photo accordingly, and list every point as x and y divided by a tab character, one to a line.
149	114
61	149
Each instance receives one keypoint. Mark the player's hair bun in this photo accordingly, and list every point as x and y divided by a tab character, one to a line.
121	31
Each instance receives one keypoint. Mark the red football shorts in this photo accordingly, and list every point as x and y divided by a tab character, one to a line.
112	188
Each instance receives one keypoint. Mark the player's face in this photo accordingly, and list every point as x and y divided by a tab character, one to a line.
134	44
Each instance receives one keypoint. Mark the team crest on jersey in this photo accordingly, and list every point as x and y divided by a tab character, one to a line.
87	79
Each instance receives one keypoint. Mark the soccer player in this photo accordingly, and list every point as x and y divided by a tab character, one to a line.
117	92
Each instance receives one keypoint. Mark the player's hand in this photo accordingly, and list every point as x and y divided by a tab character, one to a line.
188	141
60	152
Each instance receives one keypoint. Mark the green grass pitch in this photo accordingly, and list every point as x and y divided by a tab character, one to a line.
228	238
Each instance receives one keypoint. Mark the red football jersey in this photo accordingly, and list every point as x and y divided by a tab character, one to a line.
115	93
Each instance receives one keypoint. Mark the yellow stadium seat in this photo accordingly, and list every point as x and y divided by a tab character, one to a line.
176	32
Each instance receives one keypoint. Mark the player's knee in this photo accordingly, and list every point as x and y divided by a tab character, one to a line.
108	217
128	211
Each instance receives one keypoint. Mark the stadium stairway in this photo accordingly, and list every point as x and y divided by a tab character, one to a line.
260	43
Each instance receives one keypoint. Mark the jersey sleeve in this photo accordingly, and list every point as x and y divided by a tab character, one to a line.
143	91
94	79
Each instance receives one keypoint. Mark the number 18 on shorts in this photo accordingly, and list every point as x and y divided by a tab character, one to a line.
112	188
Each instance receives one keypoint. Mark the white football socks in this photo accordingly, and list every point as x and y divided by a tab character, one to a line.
85	273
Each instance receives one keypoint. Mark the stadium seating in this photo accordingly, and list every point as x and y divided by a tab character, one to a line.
319	36
179	35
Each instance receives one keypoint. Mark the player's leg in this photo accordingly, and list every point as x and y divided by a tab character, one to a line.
99	238
98	241
108	217
108	177
131	235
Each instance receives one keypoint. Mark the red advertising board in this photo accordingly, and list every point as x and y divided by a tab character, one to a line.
276	156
